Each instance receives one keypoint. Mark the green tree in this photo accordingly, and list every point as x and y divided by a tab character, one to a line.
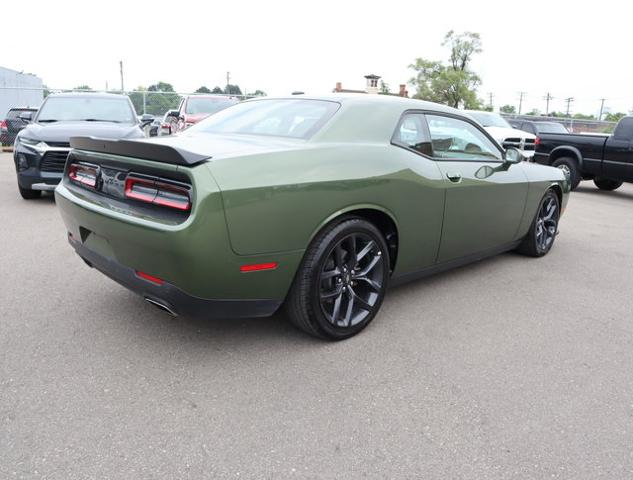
534	112
582	116
384	88
159	98
259	93
508	109
203	89
453	84
233	90
614	117
217	90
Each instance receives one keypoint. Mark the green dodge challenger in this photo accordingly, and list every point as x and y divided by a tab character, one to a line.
316	203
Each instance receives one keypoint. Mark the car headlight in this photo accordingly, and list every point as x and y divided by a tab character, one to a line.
38	145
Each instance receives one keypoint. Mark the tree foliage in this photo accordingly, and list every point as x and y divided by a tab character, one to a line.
453	84
614	117
232	90
508	109
155	99
384	88
582	116
202	89
217	90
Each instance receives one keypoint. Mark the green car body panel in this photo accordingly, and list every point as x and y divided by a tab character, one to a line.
262	199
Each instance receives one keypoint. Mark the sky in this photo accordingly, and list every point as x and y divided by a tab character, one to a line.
568	48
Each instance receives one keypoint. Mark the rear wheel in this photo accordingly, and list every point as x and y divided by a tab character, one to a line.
570	167
542	233
606	183
29	194
341	282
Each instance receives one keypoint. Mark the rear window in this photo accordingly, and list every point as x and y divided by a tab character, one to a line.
15	112
197	105
116	110
279	118
551	127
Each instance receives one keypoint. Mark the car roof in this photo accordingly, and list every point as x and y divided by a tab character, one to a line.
364	98
86	95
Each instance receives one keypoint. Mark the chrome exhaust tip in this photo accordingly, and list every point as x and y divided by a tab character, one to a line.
161	306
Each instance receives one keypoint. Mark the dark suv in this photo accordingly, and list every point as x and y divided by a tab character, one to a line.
10	126
42	147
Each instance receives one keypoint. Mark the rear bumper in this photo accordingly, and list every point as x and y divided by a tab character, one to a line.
172	297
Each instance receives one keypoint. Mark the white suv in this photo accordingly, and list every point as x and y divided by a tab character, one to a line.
504	133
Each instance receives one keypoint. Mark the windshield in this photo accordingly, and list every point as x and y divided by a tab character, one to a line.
551	127
281	118
67	109
197	105
490	119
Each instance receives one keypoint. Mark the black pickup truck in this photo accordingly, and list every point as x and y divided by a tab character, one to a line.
607	160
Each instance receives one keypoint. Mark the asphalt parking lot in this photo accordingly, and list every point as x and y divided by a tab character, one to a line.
508	368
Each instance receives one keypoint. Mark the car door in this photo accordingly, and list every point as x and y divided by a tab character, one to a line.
485	196
618	153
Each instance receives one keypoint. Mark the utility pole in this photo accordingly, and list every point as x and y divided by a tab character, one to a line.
121	69
568	101
228	81
490	95
602	100
547	99
521	95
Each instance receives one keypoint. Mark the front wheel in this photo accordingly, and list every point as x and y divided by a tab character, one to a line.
570	167
542	233
607	183
341	282
28	194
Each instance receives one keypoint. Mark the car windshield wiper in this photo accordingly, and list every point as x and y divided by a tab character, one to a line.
47	120
99	120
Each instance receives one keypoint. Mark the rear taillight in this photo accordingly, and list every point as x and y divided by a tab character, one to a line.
83	174
537	141
3	124
158	192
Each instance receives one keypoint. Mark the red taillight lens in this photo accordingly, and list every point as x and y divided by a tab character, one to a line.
3	124
83	174
537	141
158	193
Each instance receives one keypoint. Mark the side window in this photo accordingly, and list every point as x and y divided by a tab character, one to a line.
412	133
459	140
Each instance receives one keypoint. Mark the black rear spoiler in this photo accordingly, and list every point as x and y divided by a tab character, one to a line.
156	152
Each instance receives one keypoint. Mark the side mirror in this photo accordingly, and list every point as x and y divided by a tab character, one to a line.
513	155
26	117
173	113
146	117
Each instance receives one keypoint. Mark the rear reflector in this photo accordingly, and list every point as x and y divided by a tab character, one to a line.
258	266
150	278
83	174
157	192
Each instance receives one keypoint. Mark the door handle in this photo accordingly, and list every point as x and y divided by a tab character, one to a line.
454	177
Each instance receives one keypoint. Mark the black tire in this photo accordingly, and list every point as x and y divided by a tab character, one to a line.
542	234
606	183
28	194
569	165
317	286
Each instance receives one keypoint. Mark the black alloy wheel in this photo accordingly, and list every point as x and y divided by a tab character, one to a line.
351	280
341	283
544	228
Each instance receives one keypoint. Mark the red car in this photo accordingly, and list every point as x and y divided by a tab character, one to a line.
194	108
